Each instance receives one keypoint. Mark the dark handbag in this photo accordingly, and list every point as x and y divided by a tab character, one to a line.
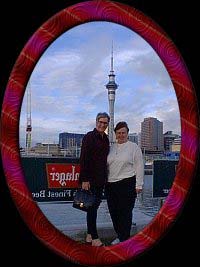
83	199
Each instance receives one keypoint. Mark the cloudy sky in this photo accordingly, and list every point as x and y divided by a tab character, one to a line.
68	83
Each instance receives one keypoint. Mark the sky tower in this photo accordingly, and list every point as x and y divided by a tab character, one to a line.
28	120
111	86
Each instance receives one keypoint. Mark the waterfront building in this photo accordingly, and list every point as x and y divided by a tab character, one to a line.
169	137
70	143
176	145
133	137
152	135
45	149
139	139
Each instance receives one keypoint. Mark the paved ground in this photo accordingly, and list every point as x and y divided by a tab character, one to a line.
72	222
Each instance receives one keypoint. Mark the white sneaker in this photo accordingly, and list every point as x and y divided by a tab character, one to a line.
115	241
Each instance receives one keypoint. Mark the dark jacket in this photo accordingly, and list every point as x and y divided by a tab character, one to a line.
93	159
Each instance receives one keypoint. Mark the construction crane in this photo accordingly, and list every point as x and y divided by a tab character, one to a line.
28	120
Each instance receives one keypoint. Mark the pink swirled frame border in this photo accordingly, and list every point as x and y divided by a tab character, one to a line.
99	10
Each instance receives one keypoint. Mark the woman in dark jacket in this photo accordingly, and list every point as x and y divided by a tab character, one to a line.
93	170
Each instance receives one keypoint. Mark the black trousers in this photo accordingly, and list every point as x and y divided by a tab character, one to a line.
121	197
92	212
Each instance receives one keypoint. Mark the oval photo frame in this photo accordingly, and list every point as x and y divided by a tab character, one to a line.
64	20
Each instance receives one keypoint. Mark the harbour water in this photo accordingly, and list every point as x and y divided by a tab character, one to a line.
146	202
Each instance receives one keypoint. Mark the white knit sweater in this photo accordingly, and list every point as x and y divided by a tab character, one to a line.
125	160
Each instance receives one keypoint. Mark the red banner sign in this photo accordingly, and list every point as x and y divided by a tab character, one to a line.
62	175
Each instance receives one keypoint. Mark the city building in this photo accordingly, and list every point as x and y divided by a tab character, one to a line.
47	149
133	137
70	144
176	145
139	139
152	140
168	140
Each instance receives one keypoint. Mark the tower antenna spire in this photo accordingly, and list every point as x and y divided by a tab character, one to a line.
112	70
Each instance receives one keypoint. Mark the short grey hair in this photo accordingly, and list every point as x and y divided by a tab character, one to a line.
102	115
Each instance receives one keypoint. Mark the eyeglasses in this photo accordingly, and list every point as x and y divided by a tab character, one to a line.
102	122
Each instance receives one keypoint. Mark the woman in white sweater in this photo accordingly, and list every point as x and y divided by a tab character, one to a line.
125	181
